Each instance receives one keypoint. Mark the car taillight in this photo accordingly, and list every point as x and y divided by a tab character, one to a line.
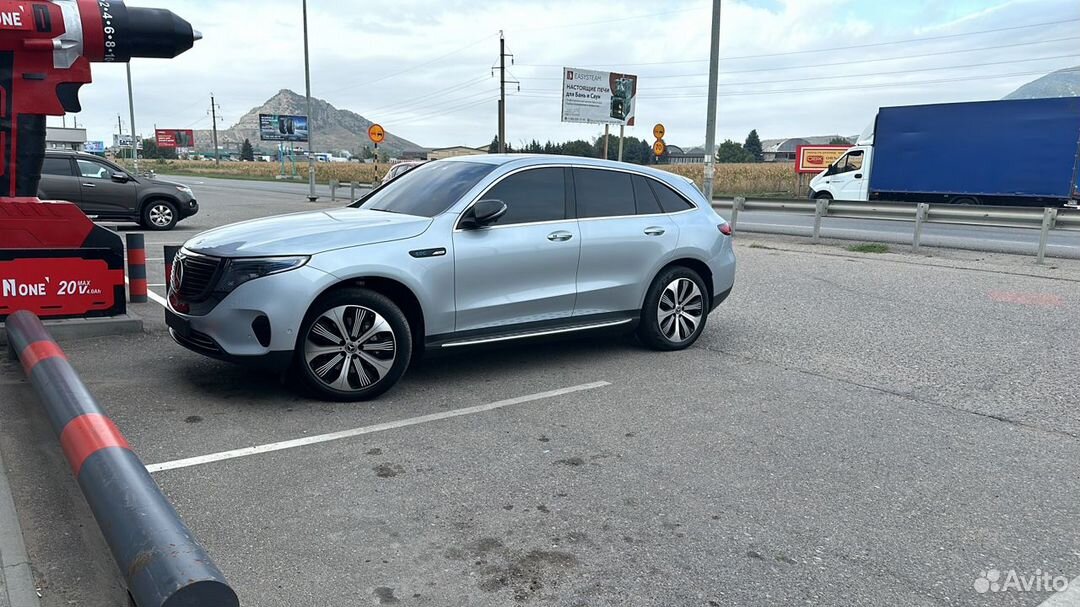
725	228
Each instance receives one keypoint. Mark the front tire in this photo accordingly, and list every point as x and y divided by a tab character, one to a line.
676	308
354	345
159	215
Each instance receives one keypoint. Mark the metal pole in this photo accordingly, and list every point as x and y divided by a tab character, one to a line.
920	216
131	109
1049	219
213	125
502	93
710	119
821	208
622	129
310	123
605	141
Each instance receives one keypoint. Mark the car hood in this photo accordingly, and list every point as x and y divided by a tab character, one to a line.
307	233
165	183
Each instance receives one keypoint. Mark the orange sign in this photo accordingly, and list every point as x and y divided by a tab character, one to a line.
376	133
658	131
817	158
659	147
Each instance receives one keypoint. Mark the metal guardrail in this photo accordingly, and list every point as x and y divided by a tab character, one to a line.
1043	219
163	564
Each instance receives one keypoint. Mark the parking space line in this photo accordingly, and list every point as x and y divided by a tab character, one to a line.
154	297
333	436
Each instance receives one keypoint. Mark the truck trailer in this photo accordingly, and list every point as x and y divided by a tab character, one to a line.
1023	152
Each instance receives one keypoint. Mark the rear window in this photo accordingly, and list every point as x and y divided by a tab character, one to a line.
427	190
644	198
669	200
56	166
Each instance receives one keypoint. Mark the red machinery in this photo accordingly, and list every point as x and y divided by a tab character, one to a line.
53	260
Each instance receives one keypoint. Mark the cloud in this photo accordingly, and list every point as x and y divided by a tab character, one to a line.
424	68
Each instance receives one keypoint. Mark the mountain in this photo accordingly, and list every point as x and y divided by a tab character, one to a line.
1062	83
334	130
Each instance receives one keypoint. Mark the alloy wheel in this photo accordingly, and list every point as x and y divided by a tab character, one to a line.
350	348
680	310
161	215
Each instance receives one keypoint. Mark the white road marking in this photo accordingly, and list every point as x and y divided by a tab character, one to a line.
154	297
333	436
1070	597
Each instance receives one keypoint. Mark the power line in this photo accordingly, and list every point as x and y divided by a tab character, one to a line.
820	50
447	111
618	20
389	117
413	100
854	62
413	67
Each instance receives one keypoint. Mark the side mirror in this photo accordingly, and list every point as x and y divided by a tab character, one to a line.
483	213
120	177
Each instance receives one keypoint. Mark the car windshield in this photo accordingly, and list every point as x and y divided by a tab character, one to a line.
427	190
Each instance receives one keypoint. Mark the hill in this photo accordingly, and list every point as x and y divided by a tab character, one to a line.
1062	83
335	129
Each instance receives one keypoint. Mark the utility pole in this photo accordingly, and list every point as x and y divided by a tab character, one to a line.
213	126
310	125
131	110
621	132
502	93
710	120
606	137
120	130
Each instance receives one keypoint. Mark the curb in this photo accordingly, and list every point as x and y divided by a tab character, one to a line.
79	328
18	579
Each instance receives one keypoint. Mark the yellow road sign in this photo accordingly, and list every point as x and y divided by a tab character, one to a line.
659	147
658	131
376	133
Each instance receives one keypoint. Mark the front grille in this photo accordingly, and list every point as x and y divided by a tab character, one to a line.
200	342
198	273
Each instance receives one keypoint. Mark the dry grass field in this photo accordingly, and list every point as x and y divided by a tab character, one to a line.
763	179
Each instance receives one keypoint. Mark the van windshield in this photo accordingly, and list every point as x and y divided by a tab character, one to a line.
427	190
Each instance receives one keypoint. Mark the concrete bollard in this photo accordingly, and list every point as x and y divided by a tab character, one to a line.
158	556
333	189
136	268
352	191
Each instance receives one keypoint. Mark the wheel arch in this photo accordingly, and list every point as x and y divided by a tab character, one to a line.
146	199
700	267
397	291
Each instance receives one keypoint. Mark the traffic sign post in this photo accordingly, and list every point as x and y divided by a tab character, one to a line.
376	134
658	131
659	148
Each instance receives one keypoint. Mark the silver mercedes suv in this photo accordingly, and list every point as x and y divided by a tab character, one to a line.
458	252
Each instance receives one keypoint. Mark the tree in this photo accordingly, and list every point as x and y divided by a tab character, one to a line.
578	147
839	141
753	145
730	152
246	151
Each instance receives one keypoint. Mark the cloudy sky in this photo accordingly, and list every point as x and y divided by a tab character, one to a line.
423	68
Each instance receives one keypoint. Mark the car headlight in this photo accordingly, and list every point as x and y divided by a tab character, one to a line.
239	271
185	189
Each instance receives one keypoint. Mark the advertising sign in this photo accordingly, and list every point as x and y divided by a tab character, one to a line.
283	127
175	138
123	141
94	147
598	97
60	286
817	158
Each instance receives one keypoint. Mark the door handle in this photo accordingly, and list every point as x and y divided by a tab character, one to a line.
858	175
560	236
89	185
654	231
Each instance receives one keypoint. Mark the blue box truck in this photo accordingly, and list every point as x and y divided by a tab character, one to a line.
1023	152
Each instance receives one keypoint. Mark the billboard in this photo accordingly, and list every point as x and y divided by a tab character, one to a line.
283	127
124	141
598	97
175	138
817	158
94	147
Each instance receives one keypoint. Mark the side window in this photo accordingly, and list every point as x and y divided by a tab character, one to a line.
602	193
644	198
56	166
532	195
93	170
669	200
854	161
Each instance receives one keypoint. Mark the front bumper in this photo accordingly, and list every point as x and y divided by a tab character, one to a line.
188	208
257	323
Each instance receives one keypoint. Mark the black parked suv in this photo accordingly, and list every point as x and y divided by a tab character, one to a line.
107	192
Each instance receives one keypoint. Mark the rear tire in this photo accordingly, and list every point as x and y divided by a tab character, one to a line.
354	344
159	215
676	308
964	200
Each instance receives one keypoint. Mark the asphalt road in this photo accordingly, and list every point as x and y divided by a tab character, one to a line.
1022	241
849	430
